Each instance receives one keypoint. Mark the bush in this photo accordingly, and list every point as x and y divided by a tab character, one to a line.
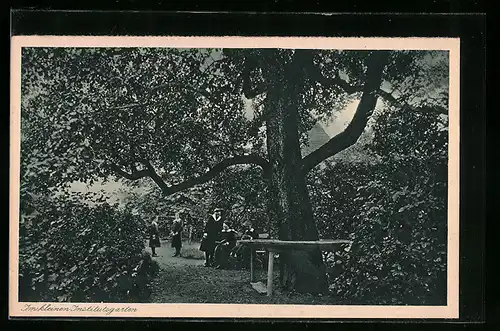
75	252
394	210
400	233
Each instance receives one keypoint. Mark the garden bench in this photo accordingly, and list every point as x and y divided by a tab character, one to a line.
273	246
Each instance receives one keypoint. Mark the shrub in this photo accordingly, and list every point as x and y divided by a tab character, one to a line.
394	210
73	251
400	233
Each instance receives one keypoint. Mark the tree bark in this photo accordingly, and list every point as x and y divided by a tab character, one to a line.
303	271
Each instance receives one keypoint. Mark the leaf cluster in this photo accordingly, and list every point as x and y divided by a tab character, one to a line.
71	251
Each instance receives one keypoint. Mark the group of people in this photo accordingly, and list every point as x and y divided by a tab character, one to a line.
154	236
219	241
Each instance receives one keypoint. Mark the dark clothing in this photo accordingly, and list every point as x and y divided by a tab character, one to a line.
176	238
229	237
241	253
212	229
223	249
252	233
154	236
209	257
211	234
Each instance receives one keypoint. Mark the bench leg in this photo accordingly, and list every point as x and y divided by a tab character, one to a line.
252	267
270	274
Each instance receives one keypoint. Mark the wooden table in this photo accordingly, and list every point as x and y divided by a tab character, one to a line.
277	246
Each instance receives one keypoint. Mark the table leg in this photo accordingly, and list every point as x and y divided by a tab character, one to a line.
252	267
270	274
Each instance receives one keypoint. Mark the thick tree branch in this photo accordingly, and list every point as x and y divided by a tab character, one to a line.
376	64
337	81
250	93
211	173
214	62
134	175
154	176
217	169
314	73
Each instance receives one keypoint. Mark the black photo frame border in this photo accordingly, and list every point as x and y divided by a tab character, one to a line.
470	28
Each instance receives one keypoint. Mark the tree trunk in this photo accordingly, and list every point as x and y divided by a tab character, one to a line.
288	195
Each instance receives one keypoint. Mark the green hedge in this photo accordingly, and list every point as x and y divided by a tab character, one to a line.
397	217
73	251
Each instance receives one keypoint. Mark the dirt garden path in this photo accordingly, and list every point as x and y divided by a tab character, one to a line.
166	260
187	280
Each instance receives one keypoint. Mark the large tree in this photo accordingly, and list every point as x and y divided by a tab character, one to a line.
180	117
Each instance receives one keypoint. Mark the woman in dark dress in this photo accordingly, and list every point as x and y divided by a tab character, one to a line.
227	243
211	233
176	236
154	237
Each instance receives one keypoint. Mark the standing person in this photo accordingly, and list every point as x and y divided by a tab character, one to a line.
211	233
154	236
176	235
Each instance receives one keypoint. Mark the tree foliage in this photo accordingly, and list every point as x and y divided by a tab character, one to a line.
172	114
242	192
76	252
98	110
394	210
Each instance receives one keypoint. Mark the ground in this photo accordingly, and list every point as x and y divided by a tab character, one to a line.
187	280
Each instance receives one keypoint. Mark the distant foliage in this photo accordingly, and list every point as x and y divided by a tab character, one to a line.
72	251
242	192
395	211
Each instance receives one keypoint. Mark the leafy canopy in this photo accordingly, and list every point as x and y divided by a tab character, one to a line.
172	114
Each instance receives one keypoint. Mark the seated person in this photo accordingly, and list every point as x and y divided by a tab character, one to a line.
225	245
250	233
241	253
